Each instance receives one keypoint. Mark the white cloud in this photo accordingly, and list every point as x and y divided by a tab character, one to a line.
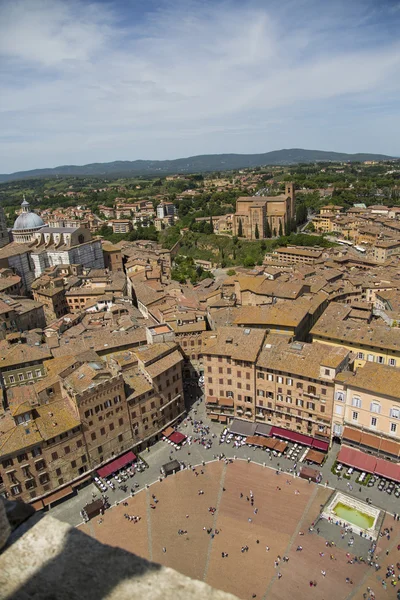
81	84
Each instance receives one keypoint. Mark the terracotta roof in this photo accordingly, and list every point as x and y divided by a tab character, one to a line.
22	353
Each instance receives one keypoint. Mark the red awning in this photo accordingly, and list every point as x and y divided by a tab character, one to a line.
292	436
117	464
177	437
384	468
67	491
320	445
358	460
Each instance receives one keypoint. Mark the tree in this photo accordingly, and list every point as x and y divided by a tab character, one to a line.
280	229
274	231
256	232
240	228
211	225
268	232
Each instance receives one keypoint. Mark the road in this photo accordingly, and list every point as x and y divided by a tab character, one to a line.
69	510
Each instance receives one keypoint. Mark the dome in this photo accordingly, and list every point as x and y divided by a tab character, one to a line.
28	220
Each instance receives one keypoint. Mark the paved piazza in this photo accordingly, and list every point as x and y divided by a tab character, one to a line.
281	515
285	506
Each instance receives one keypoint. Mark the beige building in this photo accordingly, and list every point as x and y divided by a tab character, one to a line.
295	385
229	360
368	401
385	249
296	255
339	325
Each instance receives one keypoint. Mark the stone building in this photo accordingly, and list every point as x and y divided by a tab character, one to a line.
42	446
65	246
254	212
22	364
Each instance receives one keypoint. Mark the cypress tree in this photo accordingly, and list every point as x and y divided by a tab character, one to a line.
280	229
240	228
256	232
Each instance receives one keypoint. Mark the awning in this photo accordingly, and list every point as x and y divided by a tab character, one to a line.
222	419
38	505
390	447
292	436
280	446
177	437
76	484
258	440
352	435
226	402
357	459
117	464
314	456
64	493
309	473
384	468
320	445
244	428
263	429
169	431
93	509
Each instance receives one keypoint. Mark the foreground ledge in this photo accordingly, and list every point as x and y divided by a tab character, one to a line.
53	560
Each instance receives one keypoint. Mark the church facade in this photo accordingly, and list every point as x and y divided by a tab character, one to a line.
255	214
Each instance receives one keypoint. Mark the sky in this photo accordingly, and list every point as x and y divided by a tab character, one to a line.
84	82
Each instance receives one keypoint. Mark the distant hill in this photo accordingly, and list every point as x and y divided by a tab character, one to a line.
196	164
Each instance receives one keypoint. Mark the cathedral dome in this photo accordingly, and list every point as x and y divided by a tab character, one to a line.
27	219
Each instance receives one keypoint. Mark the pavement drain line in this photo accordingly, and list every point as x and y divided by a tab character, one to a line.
294	536
221	491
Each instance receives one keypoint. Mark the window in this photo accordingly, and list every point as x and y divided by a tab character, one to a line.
261	393
120	421
395	413
299	386
220	381
211	392
355	415
67	449
220	370
270	377
338	409
100	449
360	355
310	405
111	426
210	380
40	465
288	400
375	407
356	402
247	375
373	421
36	452
79	443
120	437
393	427
279	398
381	360
38	374
107	404
260	376
322	408
102	431
21	376
54	456
30	376
22	457
280	379
299	402
323	391
58	472
239	373
340	396
289	381
15	490
44	478
247	399
370	357
93	435
312	390
392	362
117	399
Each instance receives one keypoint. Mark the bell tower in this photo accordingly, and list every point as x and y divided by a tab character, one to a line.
289	192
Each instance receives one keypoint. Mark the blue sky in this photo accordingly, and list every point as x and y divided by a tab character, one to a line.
98	81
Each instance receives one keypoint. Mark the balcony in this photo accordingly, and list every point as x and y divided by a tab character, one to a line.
311	395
